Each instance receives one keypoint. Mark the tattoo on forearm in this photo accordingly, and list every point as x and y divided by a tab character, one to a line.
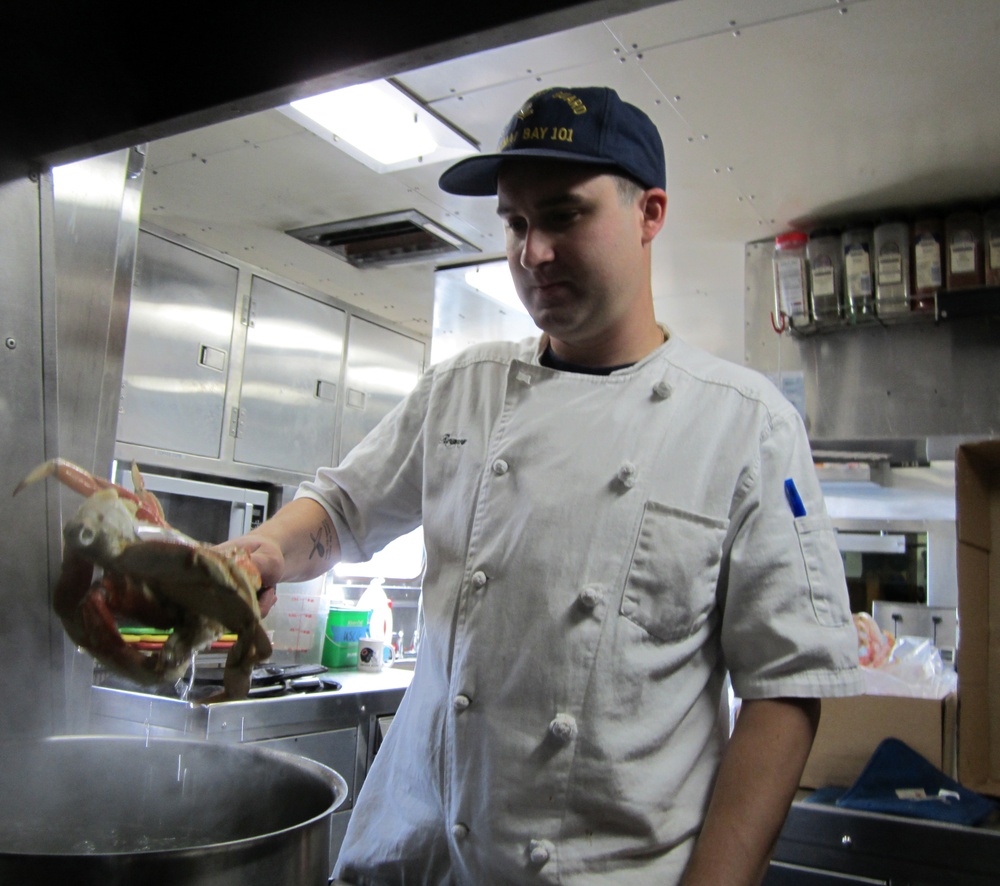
322	540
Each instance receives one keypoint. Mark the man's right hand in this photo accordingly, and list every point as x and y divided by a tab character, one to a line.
298	543
265	553
268	559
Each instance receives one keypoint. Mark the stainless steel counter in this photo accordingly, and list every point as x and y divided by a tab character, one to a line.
117	711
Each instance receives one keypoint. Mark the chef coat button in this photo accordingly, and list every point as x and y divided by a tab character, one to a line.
627	474
540	851
590	596
662	390
461	702
500	467
563	728
478	579
459	831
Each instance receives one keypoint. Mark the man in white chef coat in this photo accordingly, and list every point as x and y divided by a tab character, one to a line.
615	522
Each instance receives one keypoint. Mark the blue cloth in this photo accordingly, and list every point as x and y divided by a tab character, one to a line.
899	781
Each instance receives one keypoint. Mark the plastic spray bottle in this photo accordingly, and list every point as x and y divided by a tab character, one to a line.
374	598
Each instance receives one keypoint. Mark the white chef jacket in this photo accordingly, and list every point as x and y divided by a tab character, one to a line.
601	552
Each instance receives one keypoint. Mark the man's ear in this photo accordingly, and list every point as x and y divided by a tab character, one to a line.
654	212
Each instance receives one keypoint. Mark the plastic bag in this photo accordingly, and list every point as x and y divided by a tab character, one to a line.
906	666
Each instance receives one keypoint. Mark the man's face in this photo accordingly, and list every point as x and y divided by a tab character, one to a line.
574	246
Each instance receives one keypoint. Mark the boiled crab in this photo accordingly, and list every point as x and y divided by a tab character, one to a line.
156	575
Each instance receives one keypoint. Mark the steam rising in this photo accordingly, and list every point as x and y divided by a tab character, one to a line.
93	795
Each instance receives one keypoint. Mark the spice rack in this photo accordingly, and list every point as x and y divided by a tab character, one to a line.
896	269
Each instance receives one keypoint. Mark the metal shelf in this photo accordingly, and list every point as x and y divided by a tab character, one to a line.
979	301
870	321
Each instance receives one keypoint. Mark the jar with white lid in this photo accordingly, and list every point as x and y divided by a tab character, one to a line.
892	268
790	286
859	291
825	275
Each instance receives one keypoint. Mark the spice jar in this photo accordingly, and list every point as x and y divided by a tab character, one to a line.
790	277
892	268
825	275
991	246
856	244
927	263
963	235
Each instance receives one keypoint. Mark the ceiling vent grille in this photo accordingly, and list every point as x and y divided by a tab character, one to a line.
390	238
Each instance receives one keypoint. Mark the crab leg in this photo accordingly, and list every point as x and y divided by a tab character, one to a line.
212	582
149	503
69	474
86	611
86	484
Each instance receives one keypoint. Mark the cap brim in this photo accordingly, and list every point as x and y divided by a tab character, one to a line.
477	176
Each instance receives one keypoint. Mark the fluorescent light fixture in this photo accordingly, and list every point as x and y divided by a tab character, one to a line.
494	281
381	125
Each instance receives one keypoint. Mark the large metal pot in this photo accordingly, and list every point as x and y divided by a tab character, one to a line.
114	810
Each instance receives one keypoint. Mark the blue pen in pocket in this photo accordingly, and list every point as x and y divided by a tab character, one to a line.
794	500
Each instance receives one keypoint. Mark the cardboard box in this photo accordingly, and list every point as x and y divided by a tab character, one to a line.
961	736
851	728
977	491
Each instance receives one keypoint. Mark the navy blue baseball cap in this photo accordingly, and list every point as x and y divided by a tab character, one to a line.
588	124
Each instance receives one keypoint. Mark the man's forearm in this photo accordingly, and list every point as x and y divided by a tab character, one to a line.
756	784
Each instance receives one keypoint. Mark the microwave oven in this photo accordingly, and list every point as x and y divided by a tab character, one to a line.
205	511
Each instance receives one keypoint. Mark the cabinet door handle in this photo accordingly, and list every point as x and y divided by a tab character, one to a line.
326	390
212	358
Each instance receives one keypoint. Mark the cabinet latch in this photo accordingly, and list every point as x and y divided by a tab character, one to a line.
247	311
236	420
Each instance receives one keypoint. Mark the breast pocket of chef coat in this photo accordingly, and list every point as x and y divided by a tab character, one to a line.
671	581
824	570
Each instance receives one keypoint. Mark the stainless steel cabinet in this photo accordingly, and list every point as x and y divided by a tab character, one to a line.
382	368
229	373
287	414
177	348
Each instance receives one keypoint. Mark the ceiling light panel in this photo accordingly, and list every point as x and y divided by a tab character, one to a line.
381	125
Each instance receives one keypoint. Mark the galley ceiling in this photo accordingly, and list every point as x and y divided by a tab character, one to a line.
775	114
